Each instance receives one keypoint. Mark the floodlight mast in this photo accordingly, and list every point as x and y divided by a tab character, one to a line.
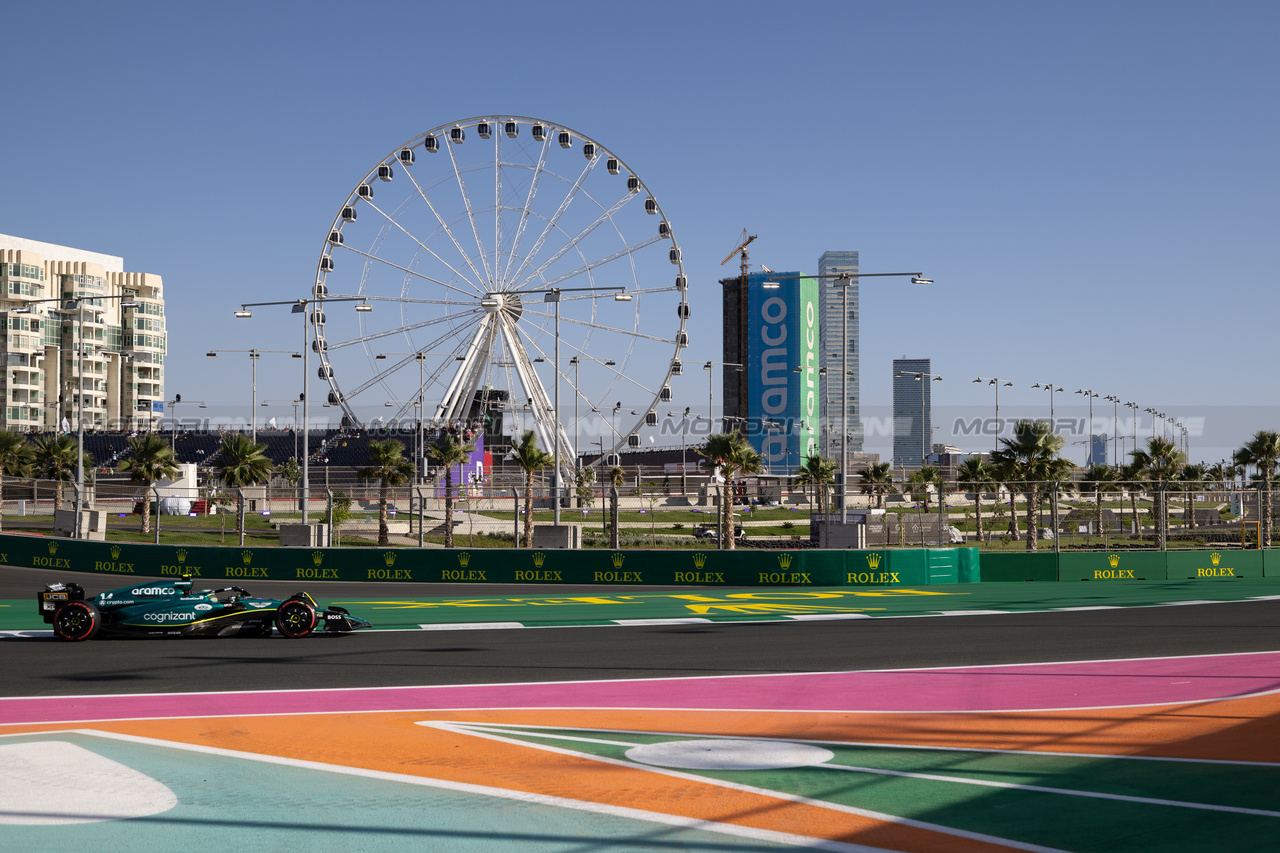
301	306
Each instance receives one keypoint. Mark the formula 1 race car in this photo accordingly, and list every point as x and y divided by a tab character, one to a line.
170	609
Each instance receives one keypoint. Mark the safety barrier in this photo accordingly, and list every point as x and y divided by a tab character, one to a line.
738	568
490	565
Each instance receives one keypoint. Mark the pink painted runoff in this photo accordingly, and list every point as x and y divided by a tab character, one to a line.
996	688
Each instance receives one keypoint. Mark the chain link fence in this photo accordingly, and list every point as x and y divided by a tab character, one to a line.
1065	516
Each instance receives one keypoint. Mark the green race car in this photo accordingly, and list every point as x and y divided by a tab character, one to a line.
171	609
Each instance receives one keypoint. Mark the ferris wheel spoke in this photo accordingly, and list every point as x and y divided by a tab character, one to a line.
617	373
528	206
584	297
612	329
423	245
608	259
604	217
555	218
471	216
454	404
549	429
470	303
386	333
447	229
388	371
497	204
418	274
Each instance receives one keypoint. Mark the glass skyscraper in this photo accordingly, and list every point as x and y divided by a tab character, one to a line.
832	348
912	421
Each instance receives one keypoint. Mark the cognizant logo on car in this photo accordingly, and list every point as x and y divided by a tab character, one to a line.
168	617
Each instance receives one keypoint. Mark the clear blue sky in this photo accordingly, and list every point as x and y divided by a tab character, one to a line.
1092	185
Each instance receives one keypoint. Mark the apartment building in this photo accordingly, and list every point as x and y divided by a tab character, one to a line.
81	338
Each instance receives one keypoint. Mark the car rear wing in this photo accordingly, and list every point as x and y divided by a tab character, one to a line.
55	595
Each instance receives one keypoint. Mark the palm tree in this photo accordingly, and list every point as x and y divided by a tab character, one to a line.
923	479
877	480
1161	462
1096	480
449	453
530	457
733	455
1005	472
1194	477
1263	453
1031	457
150	460
390	468
241	463
616	477
15	460
1132	474
819	473
55	459
975	474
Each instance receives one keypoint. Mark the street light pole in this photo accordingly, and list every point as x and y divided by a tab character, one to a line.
924	437
995	382
1089	394
79	531
300	306
253	402
254	355
554	296
76	304
711	394
684	445
1050	387
294	403
1115	426
1134	408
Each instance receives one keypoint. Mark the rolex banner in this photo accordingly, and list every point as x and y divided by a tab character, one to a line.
216	567
226	566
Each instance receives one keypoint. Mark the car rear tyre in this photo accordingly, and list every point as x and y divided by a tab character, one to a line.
77	621
295	618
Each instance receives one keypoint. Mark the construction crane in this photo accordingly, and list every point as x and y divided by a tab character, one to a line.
743	242
741	247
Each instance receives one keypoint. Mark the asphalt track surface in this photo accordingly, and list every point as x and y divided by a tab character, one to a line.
46	667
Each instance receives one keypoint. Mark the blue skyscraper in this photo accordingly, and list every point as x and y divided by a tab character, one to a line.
912	416
1098	443
833	347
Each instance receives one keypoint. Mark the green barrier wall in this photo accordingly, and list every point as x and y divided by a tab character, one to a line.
969	570
1004	566
489	565
888	567
1213	565
1114	567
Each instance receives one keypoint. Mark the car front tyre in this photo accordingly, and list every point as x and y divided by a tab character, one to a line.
295	618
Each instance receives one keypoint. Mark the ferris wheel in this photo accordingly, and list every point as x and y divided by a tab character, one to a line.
476	251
